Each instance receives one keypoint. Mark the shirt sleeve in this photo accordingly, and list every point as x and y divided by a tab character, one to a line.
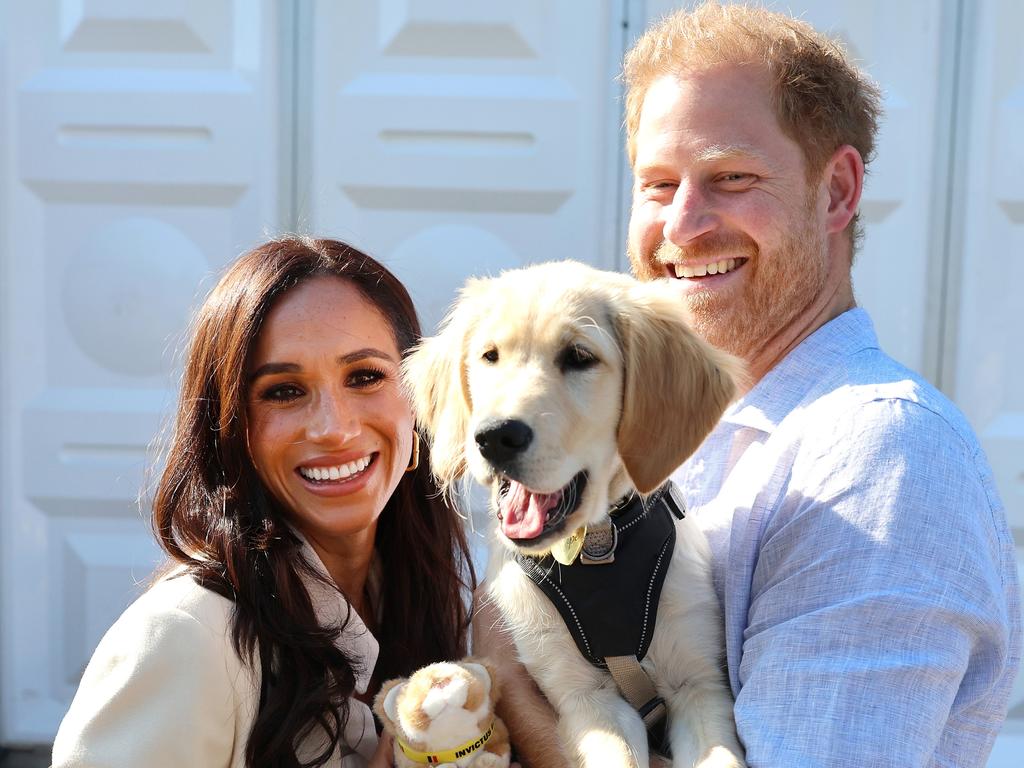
159	691
877	610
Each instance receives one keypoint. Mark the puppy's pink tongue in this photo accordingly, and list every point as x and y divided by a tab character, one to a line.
523	512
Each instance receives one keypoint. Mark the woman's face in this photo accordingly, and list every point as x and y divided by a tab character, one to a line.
330	432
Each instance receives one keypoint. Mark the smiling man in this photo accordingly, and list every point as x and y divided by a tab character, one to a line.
861	551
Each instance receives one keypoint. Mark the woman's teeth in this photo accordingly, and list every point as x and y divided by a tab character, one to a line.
717	268
340	472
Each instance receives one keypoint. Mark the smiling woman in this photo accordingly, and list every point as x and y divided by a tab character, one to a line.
293	480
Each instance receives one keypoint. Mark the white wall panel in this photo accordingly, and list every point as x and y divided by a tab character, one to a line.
453	138
985	354
144	147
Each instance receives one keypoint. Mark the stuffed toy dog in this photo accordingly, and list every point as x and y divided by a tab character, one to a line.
444	715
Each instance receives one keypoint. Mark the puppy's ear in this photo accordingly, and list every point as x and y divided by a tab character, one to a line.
435	379
675	386
385	705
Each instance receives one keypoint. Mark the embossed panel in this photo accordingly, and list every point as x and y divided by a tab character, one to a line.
144	146
102	571
454	138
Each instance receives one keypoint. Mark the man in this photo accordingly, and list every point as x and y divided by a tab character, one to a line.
861	551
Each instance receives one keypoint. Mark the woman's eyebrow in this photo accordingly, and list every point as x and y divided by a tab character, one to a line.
365	352
270	368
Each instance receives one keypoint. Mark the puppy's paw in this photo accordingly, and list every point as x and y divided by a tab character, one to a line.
720	757
602	749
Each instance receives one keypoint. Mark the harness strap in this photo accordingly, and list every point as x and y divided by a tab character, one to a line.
636	687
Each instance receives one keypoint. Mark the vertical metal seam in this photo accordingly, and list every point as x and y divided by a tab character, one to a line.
951	213
285	108
6	272
294	84
632	21
621	202
296	104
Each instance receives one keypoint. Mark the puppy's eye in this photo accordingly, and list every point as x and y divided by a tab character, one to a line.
491	355
576	358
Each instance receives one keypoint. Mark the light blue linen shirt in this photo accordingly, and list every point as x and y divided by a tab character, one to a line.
864	562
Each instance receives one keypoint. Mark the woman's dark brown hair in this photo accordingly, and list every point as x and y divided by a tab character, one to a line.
213	515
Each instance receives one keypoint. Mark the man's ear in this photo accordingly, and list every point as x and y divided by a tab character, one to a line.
844	179
435	379
675	385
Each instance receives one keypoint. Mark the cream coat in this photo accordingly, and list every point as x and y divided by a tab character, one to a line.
165	687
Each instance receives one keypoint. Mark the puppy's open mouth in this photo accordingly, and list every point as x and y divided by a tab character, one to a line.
527	516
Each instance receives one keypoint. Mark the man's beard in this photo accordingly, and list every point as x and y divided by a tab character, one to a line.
780	285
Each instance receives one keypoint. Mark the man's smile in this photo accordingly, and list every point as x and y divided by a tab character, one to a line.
689	271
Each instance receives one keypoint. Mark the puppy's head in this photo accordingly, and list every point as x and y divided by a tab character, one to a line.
547	382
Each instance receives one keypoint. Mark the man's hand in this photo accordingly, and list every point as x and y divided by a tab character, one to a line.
531	720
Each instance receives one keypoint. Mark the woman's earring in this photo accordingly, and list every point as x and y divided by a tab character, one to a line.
414	460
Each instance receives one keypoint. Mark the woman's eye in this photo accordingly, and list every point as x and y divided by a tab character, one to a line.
366	377
282	393
576	358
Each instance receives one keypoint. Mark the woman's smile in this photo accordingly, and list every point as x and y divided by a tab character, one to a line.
337	478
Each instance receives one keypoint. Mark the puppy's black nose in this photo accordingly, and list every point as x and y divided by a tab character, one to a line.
501	442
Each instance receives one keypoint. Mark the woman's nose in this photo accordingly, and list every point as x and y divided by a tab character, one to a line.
333	419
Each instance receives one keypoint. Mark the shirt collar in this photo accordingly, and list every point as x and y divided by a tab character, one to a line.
816	358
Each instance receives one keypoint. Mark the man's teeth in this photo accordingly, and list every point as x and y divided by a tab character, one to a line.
340	472
717	268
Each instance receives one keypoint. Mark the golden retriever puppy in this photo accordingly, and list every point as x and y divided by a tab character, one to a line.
568	392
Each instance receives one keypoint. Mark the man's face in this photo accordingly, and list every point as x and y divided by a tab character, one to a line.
721	205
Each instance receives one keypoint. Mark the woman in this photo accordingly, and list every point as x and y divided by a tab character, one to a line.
312	556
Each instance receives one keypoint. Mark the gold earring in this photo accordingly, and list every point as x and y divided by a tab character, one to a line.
414	460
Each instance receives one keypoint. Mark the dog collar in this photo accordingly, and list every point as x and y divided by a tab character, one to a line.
450	755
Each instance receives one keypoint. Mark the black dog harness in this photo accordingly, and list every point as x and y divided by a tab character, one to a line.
608	597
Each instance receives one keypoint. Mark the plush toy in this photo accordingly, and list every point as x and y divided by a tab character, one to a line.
444	715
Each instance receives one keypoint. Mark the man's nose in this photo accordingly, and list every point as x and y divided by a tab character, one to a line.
690	215
333	419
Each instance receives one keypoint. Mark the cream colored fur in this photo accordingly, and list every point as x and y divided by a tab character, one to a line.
653	393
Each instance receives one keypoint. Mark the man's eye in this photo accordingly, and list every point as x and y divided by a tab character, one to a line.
735	176
576	358
655	187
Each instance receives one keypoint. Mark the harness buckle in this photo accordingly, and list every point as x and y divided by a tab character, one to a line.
653	711
599	545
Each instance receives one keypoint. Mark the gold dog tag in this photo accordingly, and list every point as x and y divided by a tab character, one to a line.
568	549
